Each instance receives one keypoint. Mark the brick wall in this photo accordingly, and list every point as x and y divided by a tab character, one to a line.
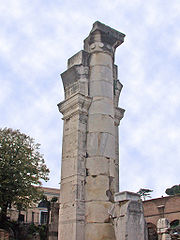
168	207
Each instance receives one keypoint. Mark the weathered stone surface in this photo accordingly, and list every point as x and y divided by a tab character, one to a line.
98	59
97	211
67	211
128	218
97	166
102	105
101	89
80	58
99	231
73	74
67	230
96	187
101	144
69	166
100	72
126	196
101	123
68	189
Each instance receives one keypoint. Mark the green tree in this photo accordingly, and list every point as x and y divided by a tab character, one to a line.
144	193
22	168
174	190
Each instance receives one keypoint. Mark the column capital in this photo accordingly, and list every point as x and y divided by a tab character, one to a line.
77	103
103	38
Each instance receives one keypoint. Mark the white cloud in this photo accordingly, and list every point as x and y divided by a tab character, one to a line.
37	38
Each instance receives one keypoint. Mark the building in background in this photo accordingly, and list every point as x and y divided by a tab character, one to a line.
37	215
160	208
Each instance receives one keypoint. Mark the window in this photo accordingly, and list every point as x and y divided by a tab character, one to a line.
32	217
43	217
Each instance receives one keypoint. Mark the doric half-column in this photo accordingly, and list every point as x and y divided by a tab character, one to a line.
102	137
90	156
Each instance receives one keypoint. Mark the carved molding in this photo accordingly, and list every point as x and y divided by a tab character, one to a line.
103	38
77	103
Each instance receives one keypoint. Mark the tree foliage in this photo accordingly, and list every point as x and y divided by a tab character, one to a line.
144	193
22	168
174	190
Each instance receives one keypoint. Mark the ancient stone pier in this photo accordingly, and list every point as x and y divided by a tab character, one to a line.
90	156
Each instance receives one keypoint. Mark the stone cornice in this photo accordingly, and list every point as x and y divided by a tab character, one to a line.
73	74
77	103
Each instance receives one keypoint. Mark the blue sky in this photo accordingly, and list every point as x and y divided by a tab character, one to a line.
36	39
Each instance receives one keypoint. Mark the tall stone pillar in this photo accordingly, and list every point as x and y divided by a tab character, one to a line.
90	157
73	170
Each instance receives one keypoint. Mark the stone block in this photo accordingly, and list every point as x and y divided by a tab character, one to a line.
97	166
81	141
69	154
129	222
96	187
102	105
83	86
80	230
98	73
70	142
97	211
73	74
101	89
114	172
101	123
67	230
71	230
99	231
69	191
81	169
80	210
100	58
126	196
80	58
112	167
72	166
69	167
82	126
67	211
101	144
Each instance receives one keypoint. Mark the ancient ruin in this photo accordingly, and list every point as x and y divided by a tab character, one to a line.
90	156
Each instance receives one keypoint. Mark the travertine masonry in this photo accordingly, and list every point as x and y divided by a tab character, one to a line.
90	157
128	217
